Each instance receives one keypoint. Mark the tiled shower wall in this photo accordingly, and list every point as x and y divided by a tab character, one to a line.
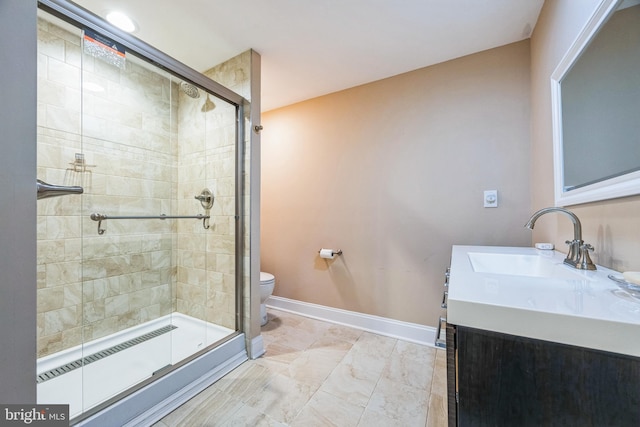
207	159
235	74
206	261
91	285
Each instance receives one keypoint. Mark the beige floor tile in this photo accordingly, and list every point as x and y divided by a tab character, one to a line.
244	381
325	409
345	384
278	357
398	401
439	383
373	344
356	376
411	364
318	374
437	416
313	368
417	352
212	407
365	365
375	419
282	398
330	344
250	417
293	336
277	317
344	333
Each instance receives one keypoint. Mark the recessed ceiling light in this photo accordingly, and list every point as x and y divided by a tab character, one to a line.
121	21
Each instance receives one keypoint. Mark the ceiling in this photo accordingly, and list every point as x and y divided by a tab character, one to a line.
314	47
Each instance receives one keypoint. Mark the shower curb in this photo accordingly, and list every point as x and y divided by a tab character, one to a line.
150	404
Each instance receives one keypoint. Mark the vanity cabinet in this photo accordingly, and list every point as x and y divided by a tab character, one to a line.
502	380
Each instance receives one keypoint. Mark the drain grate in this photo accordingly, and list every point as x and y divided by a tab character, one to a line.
51	374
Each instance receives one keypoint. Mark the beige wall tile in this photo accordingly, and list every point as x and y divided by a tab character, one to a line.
59	320
50	299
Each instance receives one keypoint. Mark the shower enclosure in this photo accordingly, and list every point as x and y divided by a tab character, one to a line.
141	270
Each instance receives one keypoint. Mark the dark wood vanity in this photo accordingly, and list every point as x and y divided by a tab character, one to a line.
495	379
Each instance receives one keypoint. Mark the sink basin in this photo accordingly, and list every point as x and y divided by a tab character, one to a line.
528	292
522	265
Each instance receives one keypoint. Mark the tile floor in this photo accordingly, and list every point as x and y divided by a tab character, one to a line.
316	373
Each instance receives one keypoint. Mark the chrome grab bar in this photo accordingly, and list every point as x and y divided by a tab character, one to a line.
101	217
46	190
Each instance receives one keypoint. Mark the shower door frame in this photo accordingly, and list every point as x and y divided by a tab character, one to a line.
236	352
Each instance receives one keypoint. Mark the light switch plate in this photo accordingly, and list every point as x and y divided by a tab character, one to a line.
491	198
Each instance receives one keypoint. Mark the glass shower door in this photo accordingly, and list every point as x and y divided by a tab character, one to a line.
206	279
137	274
128	266
59	236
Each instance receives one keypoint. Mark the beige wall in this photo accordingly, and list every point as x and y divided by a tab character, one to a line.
611	226
393	173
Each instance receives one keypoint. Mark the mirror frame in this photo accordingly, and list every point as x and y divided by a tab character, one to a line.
620	186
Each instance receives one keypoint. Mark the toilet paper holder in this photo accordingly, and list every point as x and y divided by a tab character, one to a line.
333	252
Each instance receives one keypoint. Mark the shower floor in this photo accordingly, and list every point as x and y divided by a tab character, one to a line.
113	372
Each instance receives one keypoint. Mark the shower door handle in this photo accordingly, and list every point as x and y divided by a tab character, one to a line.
49	190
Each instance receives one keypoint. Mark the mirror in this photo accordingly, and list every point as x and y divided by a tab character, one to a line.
596	108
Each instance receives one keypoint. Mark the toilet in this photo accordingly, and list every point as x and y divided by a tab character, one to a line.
267	282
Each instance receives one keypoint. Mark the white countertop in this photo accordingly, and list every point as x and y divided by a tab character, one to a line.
583	308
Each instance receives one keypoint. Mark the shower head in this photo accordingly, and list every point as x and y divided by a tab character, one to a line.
208	105
190	90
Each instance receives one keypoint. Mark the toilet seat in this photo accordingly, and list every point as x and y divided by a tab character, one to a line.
266	278
267	283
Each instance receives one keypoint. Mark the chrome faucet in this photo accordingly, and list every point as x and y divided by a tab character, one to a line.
578	256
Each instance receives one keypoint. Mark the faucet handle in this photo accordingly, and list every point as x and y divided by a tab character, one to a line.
585	259
573	256
587	247
206	198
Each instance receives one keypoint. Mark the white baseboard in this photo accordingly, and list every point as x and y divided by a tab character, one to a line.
406	331
257	347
